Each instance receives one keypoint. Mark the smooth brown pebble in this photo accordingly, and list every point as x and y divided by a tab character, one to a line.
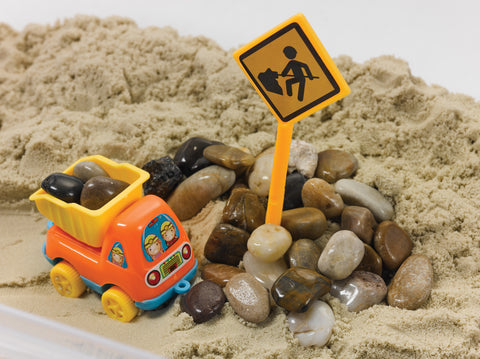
304	222
248	298
244	210
392	243
335	164
203	301
371	261
226	244
318	193
219	273
304	253
297	288
191	195
228	156
412	284
99	190
360	221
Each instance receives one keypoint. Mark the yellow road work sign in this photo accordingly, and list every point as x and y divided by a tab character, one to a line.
292	71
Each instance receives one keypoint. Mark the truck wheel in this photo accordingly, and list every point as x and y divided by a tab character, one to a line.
66	280
118	305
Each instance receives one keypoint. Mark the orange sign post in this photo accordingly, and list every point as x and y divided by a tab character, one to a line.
295	76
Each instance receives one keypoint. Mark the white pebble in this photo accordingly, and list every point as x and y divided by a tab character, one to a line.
303	158
342	254
269	242
360	290
313	327
260	177
265	272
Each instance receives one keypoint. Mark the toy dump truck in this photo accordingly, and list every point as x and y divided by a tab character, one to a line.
133	250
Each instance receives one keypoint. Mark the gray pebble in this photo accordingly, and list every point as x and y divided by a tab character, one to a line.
360	194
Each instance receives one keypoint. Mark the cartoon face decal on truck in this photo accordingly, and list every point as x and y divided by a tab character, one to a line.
160	233
117	256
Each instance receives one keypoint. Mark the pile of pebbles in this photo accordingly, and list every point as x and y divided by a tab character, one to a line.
255	266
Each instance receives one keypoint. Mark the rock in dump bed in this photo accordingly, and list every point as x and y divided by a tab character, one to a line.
90	86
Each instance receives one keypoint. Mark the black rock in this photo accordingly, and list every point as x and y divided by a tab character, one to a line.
189	157
293	191
63	186
164	177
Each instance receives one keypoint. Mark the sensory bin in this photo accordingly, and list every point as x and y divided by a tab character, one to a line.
104	86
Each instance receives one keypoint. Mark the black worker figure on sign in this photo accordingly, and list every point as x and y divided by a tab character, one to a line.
269	78
298	76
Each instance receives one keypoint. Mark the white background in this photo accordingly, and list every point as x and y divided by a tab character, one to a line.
440	39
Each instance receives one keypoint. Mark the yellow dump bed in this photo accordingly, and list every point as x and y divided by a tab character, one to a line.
89	226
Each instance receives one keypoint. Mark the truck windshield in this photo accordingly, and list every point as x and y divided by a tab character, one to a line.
160	233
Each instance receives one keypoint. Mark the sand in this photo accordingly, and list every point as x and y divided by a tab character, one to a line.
104	86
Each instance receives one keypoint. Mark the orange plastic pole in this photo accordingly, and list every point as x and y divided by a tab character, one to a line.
279	173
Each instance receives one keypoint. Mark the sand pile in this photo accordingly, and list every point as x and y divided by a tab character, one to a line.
91	86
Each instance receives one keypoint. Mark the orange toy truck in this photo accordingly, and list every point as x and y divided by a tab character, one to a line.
133	250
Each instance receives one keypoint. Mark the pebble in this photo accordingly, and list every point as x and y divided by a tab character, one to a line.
342	254
99	190
304	253
392	243
203	301
412	284
261	173
265	272
335	164
293	191
371	261
244	210
315	326
360	221
165	175
304	222
228	156
269	242
226	244
196	191
360	194
219	273
248	298
88	169
318	193
297	288
189	156
63	186
360	290
303	158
